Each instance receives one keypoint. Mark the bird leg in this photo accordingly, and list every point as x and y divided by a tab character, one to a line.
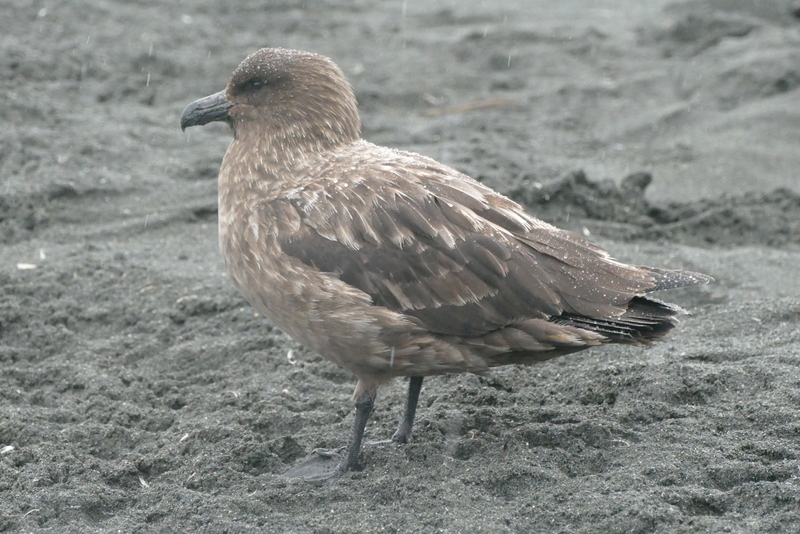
403	434
318	468
364	405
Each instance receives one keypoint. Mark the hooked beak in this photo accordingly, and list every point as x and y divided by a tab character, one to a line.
211	108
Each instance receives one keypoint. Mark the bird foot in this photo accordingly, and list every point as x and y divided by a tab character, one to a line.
319	466
394	440
401	438
379	442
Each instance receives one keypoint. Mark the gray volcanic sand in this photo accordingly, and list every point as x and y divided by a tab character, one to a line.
140	393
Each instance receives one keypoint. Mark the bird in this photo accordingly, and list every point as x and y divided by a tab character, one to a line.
391	264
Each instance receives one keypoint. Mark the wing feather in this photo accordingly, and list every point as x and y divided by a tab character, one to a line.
425	241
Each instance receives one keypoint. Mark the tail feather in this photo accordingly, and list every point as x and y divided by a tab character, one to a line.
666	279
645	320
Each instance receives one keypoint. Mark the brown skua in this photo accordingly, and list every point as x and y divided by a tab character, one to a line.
391	264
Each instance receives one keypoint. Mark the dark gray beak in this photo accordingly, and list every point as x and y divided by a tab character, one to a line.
208	109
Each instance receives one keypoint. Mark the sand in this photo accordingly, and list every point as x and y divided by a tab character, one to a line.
140	393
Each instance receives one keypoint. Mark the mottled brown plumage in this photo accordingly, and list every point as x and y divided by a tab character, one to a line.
390	263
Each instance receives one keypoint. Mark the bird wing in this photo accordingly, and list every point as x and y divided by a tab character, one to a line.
424	240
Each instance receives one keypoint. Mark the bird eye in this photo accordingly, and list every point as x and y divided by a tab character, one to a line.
256	85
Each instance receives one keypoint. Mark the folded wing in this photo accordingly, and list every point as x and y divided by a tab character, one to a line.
425	241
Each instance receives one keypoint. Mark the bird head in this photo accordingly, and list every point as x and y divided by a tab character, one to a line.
286	94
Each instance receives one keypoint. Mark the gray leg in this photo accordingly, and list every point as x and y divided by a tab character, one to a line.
363	410
403	434
319	467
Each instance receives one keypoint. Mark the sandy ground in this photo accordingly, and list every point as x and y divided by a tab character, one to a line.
140	393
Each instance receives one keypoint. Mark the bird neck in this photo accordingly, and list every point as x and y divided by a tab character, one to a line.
285	144
271	160
311	125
